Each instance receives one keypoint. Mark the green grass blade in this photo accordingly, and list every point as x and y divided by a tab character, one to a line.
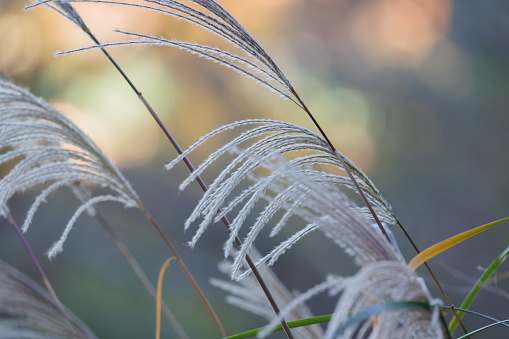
438	248
359	317
478	286
291	324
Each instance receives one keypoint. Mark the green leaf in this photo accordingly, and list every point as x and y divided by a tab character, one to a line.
291	324
478	286
359	317
440	247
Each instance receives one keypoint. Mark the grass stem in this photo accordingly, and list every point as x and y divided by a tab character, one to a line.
44	278
200	182
375	217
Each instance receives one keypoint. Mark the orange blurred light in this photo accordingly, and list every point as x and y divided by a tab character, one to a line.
21	42
399	31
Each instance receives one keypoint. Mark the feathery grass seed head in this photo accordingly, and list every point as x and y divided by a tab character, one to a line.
292	186
49	149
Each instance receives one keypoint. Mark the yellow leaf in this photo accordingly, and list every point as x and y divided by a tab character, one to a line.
438	248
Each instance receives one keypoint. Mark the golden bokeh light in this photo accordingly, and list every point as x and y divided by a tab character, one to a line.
348	114
204	96
23	44
399	32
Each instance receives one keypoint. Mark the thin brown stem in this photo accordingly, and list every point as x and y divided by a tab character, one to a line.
372	211
44	278
202	184
140	205
456	315
343	163
447	300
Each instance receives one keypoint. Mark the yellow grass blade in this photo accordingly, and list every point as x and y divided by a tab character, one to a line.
438	248
159	296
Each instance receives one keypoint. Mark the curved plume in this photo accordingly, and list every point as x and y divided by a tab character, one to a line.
292	186
380	282
47	148
252	61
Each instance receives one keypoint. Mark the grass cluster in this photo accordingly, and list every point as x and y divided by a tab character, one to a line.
277	172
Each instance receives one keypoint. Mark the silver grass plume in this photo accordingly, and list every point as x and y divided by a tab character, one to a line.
27	311
386	281
270	140
253	62
49	149
247	295
294	187
376	283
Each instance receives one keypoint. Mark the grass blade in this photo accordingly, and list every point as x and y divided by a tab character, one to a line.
160	296
440	247
478	286
291	324
358	318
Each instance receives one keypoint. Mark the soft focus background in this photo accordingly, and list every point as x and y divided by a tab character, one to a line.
414	92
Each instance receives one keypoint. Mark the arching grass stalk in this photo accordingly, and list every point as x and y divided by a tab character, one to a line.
371	210
435	279
70	13
54	152
232	31
202	184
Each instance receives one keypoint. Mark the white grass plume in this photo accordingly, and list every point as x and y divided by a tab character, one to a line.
292	186
377	283
253	61
47	148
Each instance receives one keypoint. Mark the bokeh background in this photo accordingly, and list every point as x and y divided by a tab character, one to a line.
414	92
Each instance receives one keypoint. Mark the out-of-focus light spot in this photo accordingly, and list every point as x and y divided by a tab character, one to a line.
447	70
345	117
199	112
357	144
400	32
342	104
112	114
21	43
125	145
